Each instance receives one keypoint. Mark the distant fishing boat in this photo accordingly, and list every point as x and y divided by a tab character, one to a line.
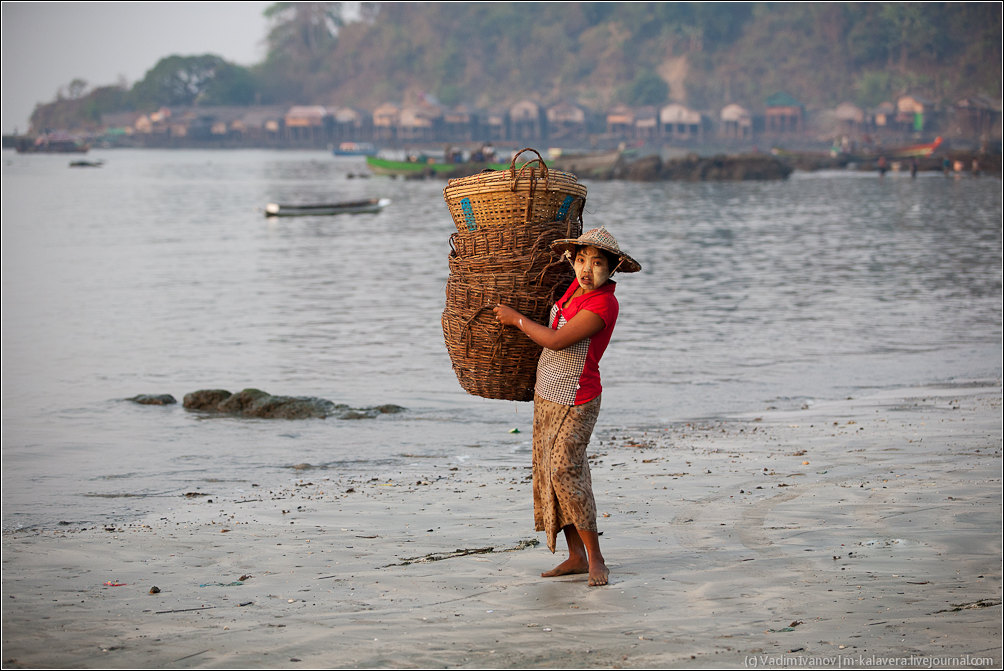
918	150
51	143
355	149
583	163
352	207
871	153
86	164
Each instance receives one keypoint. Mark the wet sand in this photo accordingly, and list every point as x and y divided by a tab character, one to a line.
852	534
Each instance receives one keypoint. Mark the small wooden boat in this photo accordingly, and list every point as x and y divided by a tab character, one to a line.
351	207
829	159
86	164
585	164
925	149
355	149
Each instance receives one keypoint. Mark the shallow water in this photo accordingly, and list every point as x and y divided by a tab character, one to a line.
158	273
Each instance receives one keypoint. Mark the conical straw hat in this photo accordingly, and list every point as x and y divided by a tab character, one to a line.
601	239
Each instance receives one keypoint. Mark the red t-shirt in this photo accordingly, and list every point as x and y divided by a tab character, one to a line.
572	376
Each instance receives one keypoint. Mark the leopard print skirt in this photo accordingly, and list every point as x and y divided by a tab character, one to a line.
562	487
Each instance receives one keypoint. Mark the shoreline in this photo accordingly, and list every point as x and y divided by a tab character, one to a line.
857	530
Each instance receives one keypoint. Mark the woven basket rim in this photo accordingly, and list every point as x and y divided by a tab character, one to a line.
570	188
514	180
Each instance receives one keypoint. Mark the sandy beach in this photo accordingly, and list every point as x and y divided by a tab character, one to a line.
864	533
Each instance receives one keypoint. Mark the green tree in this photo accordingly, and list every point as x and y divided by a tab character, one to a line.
873	87
83	112
186	80
302	39
913	29
77	88
231	85
721	22
869	37
647	88
303	32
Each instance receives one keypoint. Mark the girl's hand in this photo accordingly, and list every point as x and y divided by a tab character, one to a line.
507	316
584	324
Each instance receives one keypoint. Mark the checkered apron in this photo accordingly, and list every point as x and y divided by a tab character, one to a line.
558	373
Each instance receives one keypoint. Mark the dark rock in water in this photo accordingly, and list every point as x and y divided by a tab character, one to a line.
243	401
345	412
153	399
646	169
812	162
205	399
726	168
694	168
256	403
260	404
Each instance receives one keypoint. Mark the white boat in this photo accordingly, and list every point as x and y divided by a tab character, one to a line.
351	207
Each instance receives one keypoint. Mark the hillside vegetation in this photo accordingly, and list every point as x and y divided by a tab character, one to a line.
704	55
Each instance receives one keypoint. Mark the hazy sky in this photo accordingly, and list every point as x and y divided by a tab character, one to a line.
46	45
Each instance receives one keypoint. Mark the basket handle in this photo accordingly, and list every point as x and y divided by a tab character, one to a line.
539	160
533	181
467	328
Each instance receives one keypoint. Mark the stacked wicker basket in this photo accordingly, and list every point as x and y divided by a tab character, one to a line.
506	221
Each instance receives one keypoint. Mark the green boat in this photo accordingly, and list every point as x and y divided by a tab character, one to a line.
428	168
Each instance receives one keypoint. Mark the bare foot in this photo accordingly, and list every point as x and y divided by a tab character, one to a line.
568	567
599	575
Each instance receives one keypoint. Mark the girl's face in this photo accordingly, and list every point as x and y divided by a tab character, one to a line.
591	268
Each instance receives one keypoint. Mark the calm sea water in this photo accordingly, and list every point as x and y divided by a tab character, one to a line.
158	273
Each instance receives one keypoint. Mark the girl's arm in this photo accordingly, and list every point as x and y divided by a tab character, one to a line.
584	324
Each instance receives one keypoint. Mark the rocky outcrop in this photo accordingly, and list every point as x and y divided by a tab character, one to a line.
694	168
645	169
259	404
153	399
206	399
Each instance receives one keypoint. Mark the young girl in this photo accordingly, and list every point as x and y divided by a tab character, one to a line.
567	397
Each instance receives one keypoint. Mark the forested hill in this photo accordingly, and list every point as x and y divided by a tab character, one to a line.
704	55
708	53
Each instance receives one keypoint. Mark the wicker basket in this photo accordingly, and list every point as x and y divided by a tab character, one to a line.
490	360
501	253
520	248
498	198
513	266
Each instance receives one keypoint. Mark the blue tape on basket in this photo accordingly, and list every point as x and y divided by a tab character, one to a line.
472	225
563	210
